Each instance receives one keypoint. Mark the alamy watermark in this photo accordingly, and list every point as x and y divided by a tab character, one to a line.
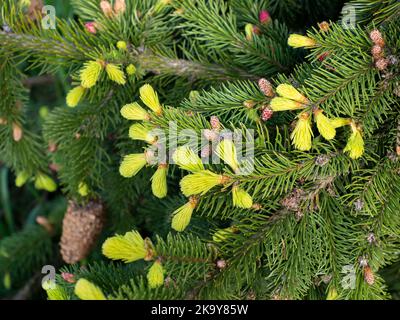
349	279
349	17
348	21
49	17
49	280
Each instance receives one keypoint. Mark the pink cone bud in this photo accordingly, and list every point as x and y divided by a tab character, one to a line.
266	87
91	27
369	275
17	132
382	64
377	52
221	264
54	167
69	277
376	37
119	6
264	16
324	26
266	114
106	8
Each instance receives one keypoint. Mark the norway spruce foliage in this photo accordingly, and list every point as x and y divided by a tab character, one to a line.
313	84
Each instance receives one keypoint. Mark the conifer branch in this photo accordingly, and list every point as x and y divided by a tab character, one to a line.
189	69
35	45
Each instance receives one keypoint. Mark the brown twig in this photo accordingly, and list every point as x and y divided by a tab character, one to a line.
26	291
39	80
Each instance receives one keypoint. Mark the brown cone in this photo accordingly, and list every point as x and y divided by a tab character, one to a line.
81	227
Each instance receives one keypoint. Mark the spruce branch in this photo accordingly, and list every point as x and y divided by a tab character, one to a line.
67	52
39	45
193	70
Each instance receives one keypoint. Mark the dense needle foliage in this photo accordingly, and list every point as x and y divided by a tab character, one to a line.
317	217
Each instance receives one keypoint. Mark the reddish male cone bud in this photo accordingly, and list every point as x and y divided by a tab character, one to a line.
323	56
369	276
119	6
52	147
324	26
54	167
106	8
264	17
266	87
91	27
17	132
221	264
266	114
381	43
382	64
68	277
377	38
377	52
375	35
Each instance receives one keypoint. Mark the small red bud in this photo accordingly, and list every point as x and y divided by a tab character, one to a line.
54	167
376	37
377	52
68	277
323	56
264	17
382	64
221	264
91	27
17	132
257	30
266	114
324	26
369	276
